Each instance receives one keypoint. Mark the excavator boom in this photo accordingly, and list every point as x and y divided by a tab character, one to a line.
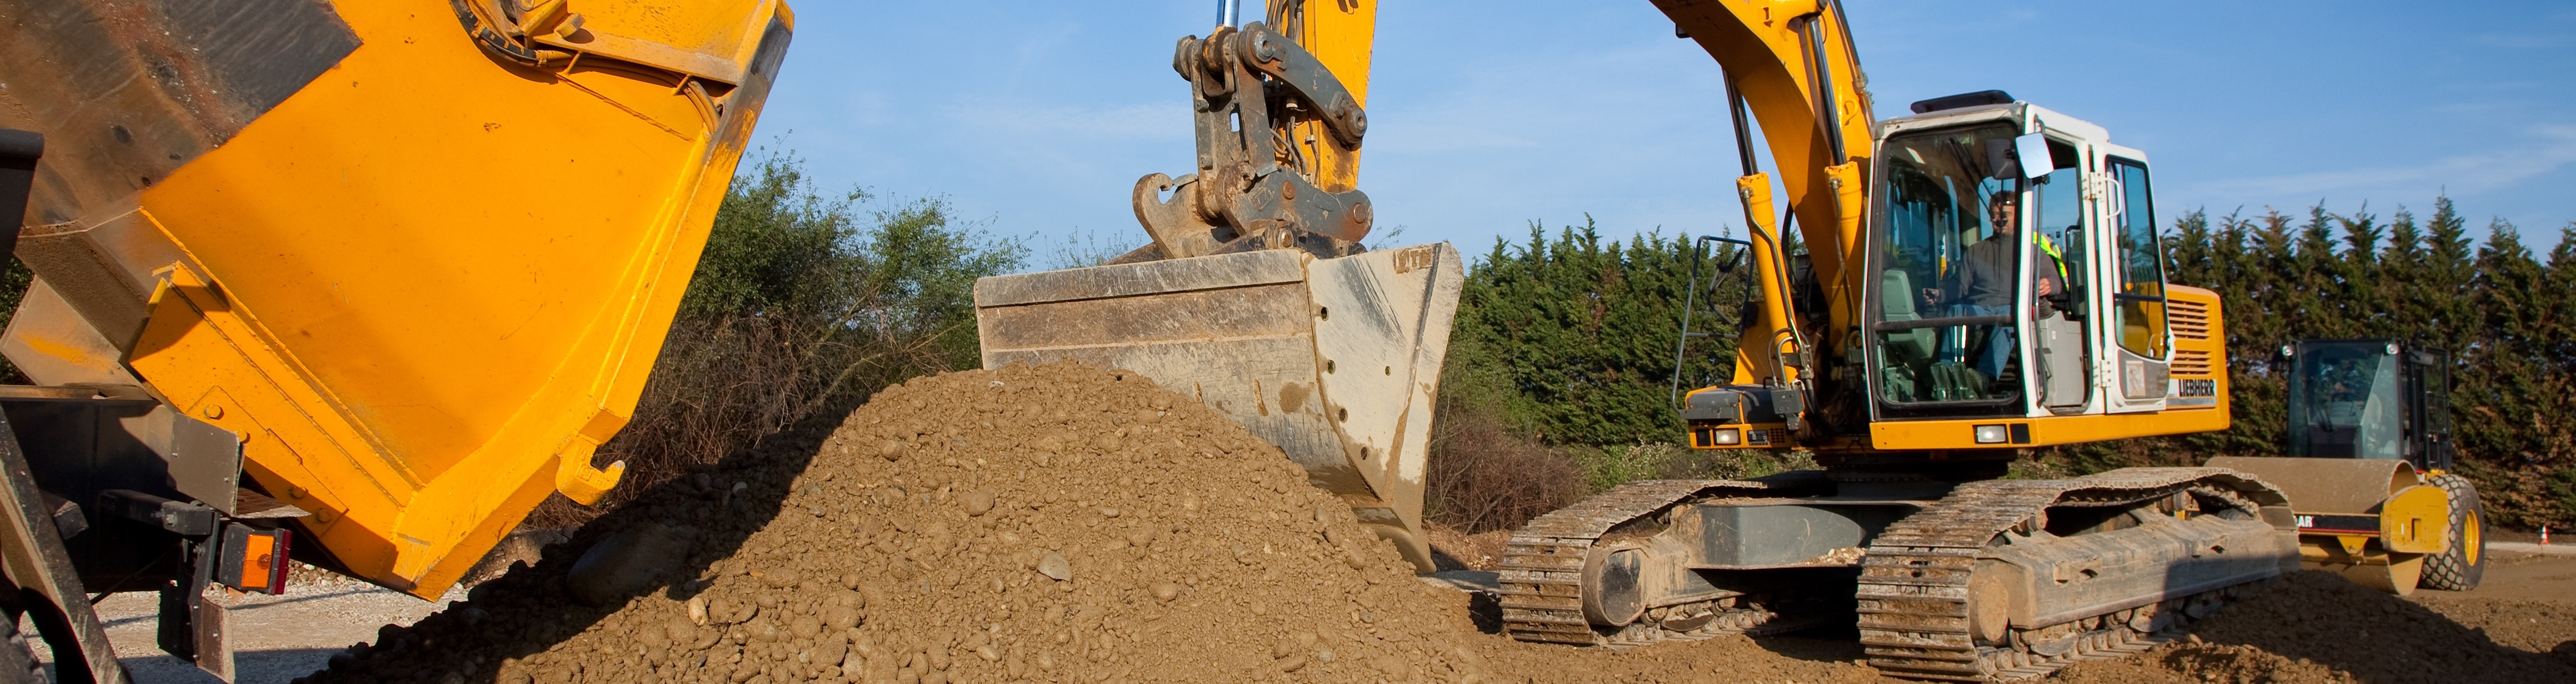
1791	67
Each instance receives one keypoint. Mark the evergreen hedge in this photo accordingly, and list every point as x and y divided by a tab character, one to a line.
1568	340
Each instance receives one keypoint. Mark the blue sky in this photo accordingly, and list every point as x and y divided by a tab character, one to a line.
1037	118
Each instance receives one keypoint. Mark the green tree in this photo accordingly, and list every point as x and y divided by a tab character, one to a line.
1560	370
1582	331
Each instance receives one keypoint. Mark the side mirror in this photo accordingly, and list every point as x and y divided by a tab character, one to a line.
2033	150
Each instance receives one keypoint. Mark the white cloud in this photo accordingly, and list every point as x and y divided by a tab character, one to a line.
2547	148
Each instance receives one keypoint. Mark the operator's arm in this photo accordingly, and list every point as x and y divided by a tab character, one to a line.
1944	291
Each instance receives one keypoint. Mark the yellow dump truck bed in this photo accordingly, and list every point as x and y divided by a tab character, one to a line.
418	255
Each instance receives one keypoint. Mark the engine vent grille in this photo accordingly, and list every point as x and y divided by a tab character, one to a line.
2190	319
2193	363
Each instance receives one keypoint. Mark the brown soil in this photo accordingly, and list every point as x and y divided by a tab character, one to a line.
2316	628
1067	524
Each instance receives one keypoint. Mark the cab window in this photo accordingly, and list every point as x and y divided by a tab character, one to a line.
2140	298
1947	259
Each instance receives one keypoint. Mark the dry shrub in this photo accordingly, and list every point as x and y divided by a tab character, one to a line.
1485	476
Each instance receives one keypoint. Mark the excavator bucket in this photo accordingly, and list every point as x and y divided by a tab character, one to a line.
1279	341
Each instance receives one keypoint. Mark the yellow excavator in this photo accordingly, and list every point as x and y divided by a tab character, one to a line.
1980	277
356	284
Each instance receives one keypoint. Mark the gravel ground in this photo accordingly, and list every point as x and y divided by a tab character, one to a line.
2527	605
2517	626
280	637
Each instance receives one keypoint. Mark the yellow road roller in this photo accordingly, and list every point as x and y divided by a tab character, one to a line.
2368	451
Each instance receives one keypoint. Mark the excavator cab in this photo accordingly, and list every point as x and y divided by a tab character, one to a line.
1949	259
2011	294
2017	294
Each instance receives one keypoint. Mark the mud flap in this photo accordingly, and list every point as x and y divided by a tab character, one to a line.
195	614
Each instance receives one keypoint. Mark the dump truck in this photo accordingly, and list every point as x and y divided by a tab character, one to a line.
350	284
1981	277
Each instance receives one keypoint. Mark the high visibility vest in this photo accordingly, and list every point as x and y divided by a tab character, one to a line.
2049	247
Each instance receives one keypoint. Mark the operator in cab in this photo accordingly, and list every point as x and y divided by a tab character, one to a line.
1982	283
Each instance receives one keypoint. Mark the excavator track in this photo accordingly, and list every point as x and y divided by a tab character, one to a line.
1914	584
1542	568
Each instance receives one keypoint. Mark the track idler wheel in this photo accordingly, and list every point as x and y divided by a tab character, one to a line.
1613	592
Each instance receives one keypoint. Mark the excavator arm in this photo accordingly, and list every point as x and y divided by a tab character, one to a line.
1256	295
1342	36
1280	129
1791	66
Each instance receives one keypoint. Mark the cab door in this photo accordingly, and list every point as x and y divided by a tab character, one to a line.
2141	352
2061	227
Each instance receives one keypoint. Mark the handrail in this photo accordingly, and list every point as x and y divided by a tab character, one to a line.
1894	326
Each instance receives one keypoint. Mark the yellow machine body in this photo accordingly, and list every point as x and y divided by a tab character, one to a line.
423	278
1343	37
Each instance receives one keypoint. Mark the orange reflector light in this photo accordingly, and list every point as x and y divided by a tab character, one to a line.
254	559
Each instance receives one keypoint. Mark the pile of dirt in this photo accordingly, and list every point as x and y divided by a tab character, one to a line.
1056	523
2316	628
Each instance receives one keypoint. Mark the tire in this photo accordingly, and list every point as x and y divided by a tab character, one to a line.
17	661
2460	567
